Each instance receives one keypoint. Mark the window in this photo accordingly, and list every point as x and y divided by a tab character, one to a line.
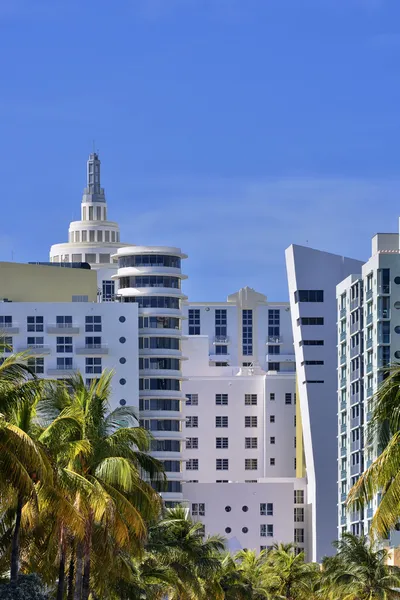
311	343
272	440
273	322
194	321
192	421
298	515
5	322
192	399
250	399
274	366
93	365
223	481
312	362
310	321
309	296
192	443
222	464
64	344
274	349
198	510
288	398
220	350
266	530
272	419
192	464
272	396
220	323
266	509
64	363
221	364
92	324
6	344
221	421
250	421
108	290
36	365
299	536
93	341
272	462
247	332
34	324
221	442
250	442
250	464
221	399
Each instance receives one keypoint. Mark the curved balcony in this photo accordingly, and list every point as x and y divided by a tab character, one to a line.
152	291
149	270
168	435
171	394
162	415
164	455
164	373
161	352
174	476
149	250
160	331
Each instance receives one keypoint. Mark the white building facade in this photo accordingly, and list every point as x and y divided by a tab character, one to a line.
63	338
368	321
94	239
312	278
150	277
240	422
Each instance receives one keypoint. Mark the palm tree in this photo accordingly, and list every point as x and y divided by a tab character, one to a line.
292	578
359	571
110	454
383	476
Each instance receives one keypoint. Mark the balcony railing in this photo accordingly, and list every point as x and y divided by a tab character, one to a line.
369	367
9	328
369	342
343	427
342	313
343	451
342	359
354	469
342	382
355	422
354	375
355	326
355	351
343	406
221	339
343	497
92	349
370	392
35	349
342	336
355	303
354	446
355	398
370	318
368	295
343	474
62	328
384	289
274	339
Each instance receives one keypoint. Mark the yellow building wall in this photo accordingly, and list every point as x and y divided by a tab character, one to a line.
300	460
21	282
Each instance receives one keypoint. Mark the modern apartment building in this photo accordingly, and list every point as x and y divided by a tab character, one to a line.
240	422
312	277
368	321
94	239
150	279
62	338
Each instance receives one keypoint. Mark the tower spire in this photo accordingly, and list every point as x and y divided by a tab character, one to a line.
93	192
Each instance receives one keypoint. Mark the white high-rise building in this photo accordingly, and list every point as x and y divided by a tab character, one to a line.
368	318
150	277
312	277
240	422
94	239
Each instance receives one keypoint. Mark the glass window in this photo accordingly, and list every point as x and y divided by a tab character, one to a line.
192	464
250	442
250	399
93	323
64	344
247	332
221	442
222	464
90	258
36	365
192	443
108	290
64	363
5	321
288	398
93	365
309	296
192	421
221	399
92	236
6	344
220	323
250	464
34	324
194	321
273	322
192	399
250	421
221	421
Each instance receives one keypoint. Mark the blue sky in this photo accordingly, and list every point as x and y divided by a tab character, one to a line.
231	128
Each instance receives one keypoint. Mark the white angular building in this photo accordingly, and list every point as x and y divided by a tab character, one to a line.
312	277
240	422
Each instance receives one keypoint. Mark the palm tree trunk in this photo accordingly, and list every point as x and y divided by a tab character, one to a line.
61	570
86	560
71	574
78	572
15	542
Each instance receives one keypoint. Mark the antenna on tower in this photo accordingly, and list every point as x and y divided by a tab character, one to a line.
94	149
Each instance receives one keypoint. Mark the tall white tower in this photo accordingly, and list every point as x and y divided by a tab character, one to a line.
151	276
93	239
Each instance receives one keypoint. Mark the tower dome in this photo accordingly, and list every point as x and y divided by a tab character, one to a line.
94	239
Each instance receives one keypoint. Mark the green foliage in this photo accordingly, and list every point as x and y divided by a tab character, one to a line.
28	587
